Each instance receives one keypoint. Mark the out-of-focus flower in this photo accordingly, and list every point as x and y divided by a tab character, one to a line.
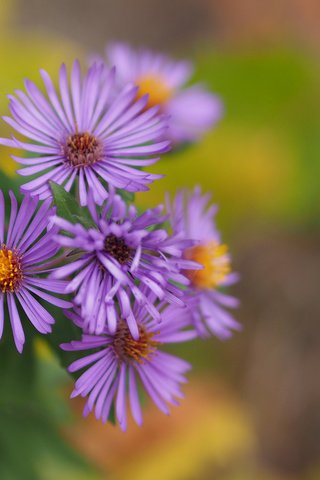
26	250
191	217
192	110
86	131
123	252
118	361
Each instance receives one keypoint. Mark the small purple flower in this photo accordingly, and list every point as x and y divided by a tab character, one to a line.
192	110
122	252
118	361
85	131
26	250
192	218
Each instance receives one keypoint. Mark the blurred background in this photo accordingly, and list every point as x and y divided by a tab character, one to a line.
251	410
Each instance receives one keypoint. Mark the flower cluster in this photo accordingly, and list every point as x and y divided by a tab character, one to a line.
130	281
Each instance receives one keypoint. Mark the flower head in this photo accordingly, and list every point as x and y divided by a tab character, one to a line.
192	218
26	249
118	357
86	131
122	252
191	110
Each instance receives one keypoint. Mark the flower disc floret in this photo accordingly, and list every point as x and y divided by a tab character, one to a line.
127	349
10	270
117	248
215	261
156	87
83	149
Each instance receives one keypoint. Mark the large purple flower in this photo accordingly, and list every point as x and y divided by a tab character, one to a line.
192	110
122	252
192	218
85	131
118	361
26	250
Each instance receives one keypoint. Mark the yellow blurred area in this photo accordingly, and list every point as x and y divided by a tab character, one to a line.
43	350
209	430
251	171
23	56
6	10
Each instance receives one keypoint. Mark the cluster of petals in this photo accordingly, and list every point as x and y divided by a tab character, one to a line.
85	130
27	249
122	252
192	110
192	217
109	377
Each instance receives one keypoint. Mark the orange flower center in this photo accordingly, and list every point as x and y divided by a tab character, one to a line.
157	87
82	149
216	264
128	349
10	270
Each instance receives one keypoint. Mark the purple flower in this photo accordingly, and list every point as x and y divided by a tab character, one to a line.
192	110
118	361
122	252
85	131
192	218
26	250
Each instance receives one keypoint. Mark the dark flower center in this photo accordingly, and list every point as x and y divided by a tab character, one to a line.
128	349
82	149
117	248
10	270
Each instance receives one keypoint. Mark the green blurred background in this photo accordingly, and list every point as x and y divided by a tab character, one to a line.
252	405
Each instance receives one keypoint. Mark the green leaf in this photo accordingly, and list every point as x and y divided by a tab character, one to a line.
17	371
128	197
68	208
30	420
63	331
112	415
9	183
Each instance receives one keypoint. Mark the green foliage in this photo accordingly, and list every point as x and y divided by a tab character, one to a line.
29	437
63	331
9	183
277	90
68	208
128	197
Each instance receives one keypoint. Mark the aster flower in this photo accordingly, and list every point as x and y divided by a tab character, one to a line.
119	361
192	110
192	217
26	249
85	131
120	254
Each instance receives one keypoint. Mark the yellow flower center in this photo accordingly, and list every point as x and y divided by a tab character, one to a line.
156	86
216	264
128	349
10	270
